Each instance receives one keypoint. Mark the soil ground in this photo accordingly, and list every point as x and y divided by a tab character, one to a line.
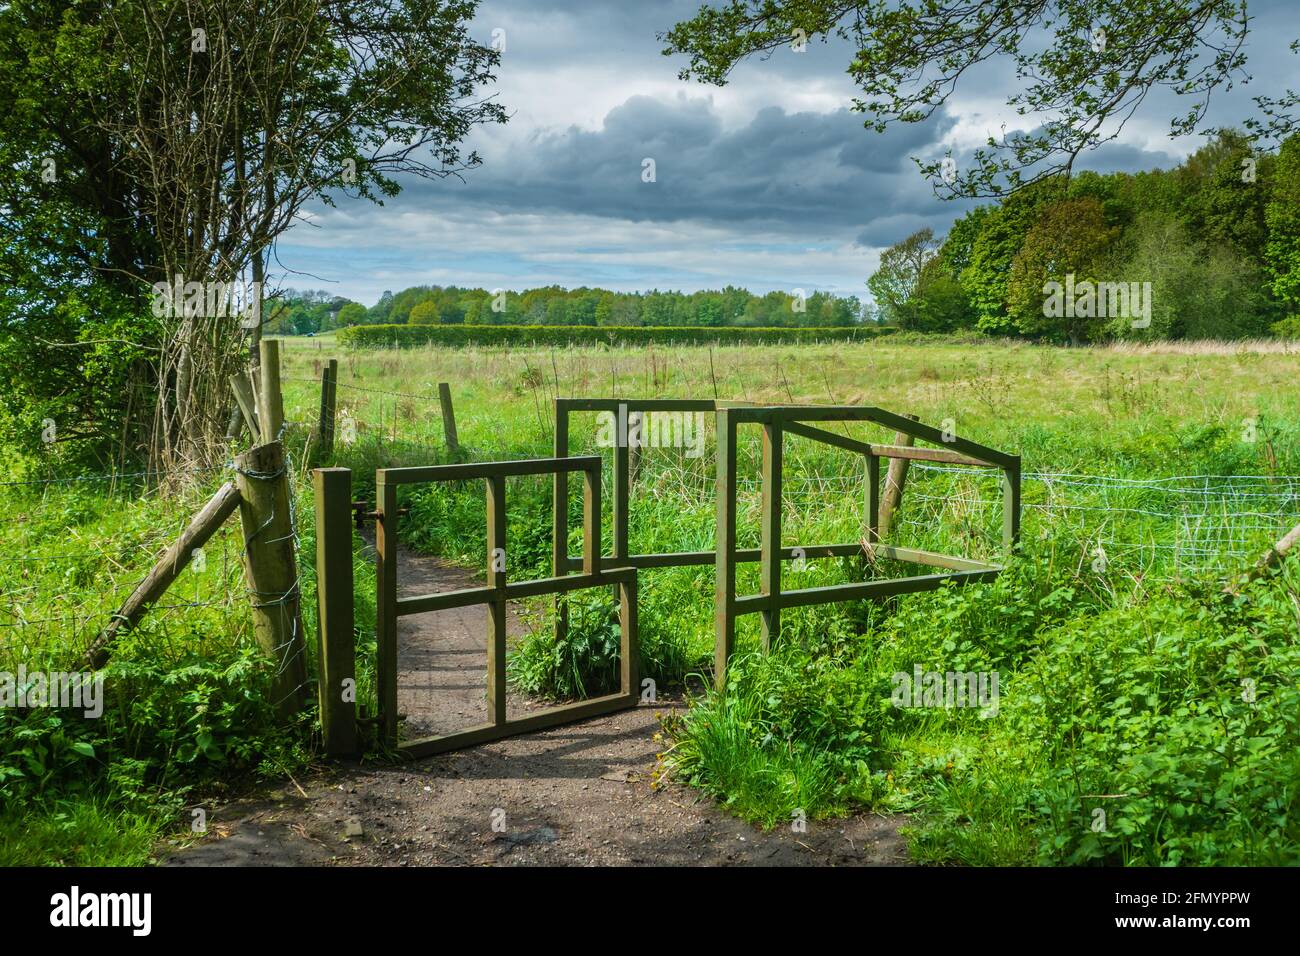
573	795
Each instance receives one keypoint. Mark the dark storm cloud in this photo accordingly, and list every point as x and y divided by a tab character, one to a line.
806	168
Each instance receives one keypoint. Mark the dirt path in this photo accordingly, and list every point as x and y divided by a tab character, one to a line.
574	795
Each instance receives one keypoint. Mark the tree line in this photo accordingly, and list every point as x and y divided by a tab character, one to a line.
1211	247
299	313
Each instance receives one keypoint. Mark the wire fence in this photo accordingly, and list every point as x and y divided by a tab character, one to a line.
1165	527
75	594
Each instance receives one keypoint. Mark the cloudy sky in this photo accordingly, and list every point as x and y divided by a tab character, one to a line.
768	183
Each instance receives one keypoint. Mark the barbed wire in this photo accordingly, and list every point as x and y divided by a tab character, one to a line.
362	388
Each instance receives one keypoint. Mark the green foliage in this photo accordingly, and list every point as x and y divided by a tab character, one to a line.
583	665
1210	236
1287	328
916	287
185	695
1172	713
310	312
584	307
1083	66
796	732
86	221
354	313
406	336
992	253
79	393
1069	237
1282	253
425	313
78	832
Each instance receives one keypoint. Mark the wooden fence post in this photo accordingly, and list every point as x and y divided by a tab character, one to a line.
894	481
497	609
873	500
325	432
560	519
386	605
272	401
448	418
336	647
270	568
622	490
1011	506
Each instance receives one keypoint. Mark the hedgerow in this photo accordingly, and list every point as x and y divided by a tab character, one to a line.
458	336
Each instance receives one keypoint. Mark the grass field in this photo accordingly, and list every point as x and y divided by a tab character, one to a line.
1152	474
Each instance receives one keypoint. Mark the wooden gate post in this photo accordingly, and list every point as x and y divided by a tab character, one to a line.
724	611
270	569
770	551
336	646
448	418
1011	506
386	605
560	520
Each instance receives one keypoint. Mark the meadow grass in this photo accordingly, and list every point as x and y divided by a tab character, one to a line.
809	728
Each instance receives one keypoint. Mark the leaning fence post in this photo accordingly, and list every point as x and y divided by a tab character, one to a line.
895	478
241	383
335	635
271	570
325	431
448	417
272	401
201	527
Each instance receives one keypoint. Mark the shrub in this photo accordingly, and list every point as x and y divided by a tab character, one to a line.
425	313
1288	328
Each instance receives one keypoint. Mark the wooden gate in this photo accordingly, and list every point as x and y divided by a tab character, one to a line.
495	594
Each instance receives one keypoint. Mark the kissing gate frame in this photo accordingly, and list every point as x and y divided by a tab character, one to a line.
777	420
389	607
771	599
620	569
